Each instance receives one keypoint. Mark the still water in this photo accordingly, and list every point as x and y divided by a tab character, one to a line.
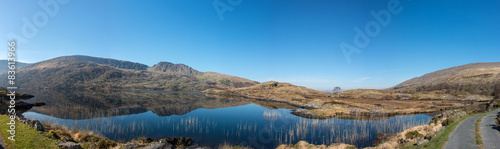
210	121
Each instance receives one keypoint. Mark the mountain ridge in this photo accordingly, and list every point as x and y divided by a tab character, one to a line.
93	72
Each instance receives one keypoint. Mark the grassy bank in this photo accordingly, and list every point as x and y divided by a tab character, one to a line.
442	137
25	136
28	137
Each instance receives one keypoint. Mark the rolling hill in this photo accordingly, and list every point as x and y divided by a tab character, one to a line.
85	72
475	78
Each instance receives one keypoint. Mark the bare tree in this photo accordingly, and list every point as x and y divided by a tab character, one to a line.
337	89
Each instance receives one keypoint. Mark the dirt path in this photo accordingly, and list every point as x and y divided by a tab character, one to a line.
463	136
490	132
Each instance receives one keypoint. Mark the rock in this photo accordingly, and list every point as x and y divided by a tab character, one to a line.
478	98
131	146
179	142
69	145
404	97
450	97
38	126
315	104
421	141
159	146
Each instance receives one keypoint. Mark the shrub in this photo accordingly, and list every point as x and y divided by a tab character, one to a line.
447	122
413	135
51	134
105	143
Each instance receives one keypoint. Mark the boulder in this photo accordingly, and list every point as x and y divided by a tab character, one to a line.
404	97
179	142
38	126
421	141
159	145
69	145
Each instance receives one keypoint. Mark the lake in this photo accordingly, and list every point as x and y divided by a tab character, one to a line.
209	121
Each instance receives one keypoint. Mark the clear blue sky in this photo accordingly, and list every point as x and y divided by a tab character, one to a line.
294	41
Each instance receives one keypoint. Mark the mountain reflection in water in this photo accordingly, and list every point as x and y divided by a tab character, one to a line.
123	116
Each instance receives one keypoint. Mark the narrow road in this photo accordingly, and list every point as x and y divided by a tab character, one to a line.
463	136
490	132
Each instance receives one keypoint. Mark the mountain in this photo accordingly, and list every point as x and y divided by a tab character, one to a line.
4	67
111	62
171	68
475	78
85	72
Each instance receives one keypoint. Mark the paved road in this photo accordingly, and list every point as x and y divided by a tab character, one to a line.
463	136
490	132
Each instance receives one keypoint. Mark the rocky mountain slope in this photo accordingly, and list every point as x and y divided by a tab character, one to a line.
475	78
85	72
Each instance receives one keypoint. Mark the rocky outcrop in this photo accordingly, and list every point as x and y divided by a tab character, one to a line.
111	62
69	145
171	68
159	145
32	123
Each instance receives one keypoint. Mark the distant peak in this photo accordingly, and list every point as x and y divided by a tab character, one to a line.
169	67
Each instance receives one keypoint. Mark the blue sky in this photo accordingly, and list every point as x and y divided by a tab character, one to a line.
293	41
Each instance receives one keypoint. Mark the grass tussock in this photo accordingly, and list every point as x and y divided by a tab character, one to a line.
477	132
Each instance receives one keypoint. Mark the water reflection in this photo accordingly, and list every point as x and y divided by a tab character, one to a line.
211	121
86	104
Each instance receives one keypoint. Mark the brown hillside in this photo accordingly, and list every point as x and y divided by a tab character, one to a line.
476	78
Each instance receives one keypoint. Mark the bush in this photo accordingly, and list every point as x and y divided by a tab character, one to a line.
105	143
413	135
51	134
447	122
